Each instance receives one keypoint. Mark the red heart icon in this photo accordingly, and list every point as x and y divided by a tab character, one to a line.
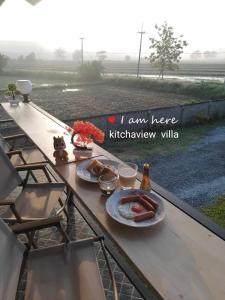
111	119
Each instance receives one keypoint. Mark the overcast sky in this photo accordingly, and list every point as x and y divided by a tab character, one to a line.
112	25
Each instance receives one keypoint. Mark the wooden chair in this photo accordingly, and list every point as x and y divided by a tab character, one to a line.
67	271
35	201
27	155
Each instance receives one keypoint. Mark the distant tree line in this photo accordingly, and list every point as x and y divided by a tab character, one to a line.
206	54
3	61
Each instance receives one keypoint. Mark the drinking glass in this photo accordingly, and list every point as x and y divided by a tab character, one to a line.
107	184
127	175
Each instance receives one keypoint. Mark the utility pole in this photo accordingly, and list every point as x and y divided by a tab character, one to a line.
82	50
139	57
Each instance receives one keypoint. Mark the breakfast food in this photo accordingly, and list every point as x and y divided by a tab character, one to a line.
145	203
138	207
97	168
151	201
126	212
132	198
144	216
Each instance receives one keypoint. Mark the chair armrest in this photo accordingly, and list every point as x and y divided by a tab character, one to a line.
15	137
29	167
36	225
6	121
31	226
7	202
14	152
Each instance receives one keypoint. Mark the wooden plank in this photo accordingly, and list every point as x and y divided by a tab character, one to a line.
178	259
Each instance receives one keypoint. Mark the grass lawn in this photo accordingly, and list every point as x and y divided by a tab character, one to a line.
141	149
216	212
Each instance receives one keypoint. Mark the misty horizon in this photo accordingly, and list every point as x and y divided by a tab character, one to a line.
18	49
112	27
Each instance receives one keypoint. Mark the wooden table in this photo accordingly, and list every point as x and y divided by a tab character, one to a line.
177	259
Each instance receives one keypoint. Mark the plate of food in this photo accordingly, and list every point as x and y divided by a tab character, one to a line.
136	208
90	170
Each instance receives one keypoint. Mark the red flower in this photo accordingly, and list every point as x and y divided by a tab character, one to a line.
88	132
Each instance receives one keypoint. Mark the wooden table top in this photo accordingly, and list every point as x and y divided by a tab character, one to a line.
179	258
39	126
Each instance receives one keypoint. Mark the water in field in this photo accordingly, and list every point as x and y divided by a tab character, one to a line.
173	77
188	78
70	90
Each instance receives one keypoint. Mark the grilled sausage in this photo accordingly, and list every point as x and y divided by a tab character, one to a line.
144	216
151	201
127	199
146	204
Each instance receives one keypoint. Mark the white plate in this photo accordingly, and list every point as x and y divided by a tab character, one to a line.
84	174
113	202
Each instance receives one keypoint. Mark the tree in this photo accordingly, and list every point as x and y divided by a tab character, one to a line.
90	70
3	61
20	58
60	53
210	54
127	58
31	57
166	50
76	55
196	55
101	55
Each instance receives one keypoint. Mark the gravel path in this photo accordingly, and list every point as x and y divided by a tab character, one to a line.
196	175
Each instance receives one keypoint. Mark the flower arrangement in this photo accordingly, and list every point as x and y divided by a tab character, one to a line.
86	133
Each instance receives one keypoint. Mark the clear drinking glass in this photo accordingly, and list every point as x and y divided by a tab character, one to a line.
127	175
107	184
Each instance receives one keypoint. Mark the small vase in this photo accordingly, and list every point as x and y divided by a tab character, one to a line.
81	151
14	102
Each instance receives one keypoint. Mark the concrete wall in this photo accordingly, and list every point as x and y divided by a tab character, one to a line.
216	109
193	113
184	114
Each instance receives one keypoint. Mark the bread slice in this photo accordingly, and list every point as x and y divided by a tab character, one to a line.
97	168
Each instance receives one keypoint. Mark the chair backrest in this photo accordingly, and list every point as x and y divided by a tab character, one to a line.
69	271
9	177
11	258
4	144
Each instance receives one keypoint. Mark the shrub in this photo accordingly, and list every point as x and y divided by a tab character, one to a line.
204	90
90	70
